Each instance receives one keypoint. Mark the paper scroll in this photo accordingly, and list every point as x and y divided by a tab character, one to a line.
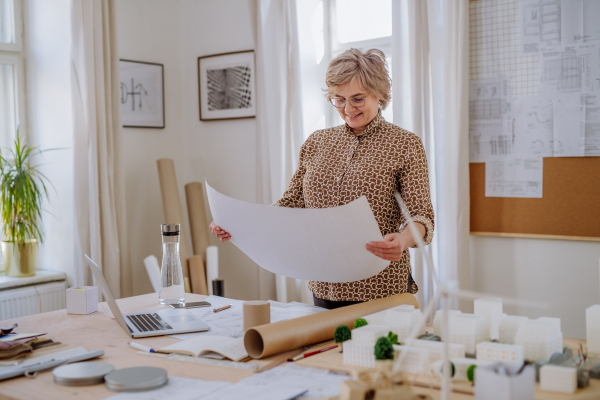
197	216
256	313
266	340
212	266
197	275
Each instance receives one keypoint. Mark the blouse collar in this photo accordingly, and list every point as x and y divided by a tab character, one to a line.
373	127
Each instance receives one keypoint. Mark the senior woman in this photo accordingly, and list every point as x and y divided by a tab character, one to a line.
367	156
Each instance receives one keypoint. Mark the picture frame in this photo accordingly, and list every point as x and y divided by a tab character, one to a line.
142	94
227	86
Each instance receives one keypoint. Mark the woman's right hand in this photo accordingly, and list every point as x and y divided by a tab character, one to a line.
218	232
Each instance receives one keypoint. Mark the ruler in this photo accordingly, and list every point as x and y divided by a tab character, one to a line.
202	360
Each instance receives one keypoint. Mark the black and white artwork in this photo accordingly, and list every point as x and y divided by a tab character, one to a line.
142	94
226	86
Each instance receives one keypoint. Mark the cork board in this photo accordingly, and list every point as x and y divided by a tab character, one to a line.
570	208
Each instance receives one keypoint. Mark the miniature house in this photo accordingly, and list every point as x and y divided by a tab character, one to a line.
540	338
415	359
555	378
488	351
403	320
491	309
592	321
438	318
468	329
508	328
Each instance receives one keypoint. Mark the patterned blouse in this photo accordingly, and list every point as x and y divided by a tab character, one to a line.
337	167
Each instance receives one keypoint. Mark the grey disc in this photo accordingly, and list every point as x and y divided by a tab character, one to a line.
81	374
136	378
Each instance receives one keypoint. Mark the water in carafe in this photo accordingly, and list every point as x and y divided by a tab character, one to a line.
171	276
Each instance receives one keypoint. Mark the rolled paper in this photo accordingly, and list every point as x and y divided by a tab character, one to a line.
256	313
172	205
197	275
153	269
212	265
218	287
265	340
197	215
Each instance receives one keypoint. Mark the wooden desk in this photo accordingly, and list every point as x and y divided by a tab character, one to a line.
99	331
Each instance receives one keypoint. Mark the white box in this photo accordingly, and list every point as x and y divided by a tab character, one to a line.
358	354
82	299
368	334
491	385
592	322
555	378
488	351
491	309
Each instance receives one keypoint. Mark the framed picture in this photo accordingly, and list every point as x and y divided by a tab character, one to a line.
142	94
226	86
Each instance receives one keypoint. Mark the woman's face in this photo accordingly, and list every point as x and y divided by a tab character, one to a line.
356	117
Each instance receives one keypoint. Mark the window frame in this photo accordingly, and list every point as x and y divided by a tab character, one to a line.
334	48
14	54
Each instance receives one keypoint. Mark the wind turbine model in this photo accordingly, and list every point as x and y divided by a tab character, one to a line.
443	291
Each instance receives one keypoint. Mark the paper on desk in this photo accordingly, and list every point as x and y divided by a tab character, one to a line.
272	391
177	388
514	176
319	382
326	245
230	322
47	357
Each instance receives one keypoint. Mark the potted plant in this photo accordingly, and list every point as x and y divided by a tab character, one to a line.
22	190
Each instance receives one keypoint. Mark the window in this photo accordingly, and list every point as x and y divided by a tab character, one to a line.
363	25
12	87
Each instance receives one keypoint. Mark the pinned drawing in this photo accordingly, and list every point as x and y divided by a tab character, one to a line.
226	86
141	94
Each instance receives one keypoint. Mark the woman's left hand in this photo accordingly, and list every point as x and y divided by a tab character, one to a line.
390	249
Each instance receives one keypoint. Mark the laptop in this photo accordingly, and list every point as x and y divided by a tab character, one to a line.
154	323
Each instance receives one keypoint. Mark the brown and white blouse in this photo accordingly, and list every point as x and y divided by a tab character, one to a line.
337	167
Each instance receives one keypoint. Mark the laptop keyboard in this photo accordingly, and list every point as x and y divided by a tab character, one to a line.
148	322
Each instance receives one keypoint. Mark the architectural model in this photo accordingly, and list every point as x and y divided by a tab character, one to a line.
508	328
437	320
359	354
488	351
402	321
436	349
368	334
491	309
415	360
468	329
461	366
378	318
592	321
540	338
555	378
500	381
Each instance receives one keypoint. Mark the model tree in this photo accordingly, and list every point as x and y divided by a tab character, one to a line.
384	349
360	322
341	334
393	338
471	373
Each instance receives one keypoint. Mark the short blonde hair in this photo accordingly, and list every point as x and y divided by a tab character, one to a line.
370	68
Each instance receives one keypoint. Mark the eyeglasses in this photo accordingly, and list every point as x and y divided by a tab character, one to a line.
354	102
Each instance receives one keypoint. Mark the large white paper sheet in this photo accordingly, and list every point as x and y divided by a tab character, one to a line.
539	24
326	245
569	69
514	176
580	21
534	126
490	126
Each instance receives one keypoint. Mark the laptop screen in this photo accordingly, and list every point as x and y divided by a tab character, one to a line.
109	296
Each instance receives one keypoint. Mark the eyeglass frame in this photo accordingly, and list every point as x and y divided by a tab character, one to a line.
348	100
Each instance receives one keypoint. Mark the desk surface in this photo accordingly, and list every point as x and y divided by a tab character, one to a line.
98	331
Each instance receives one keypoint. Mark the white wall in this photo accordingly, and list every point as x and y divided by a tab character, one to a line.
223	152
48	83
149	30
175	33
562	273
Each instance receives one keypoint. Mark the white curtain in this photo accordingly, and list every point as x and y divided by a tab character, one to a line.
279	120
430	87
99	182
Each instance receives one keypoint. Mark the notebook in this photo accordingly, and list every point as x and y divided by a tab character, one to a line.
218	347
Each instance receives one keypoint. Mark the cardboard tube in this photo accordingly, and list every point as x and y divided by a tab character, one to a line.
256	313
197	215
197	275
266	340
172	205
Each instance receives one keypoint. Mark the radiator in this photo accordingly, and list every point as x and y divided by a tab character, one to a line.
33	299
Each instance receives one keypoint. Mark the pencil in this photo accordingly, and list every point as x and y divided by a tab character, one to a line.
312	353
222	308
